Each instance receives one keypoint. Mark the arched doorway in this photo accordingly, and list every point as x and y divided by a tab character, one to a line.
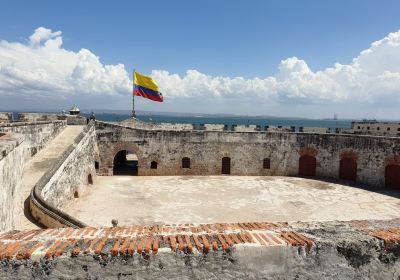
348	169
307	166
392	176
125	163
226	165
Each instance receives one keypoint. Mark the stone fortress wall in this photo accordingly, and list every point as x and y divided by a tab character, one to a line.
277	151
356	249
68	179
11	167
19	142
247	152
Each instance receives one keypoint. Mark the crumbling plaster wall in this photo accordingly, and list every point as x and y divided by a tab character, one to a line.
246	150
11	167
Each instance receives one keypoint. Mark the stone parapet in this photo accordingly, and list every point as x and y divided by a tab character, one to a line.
11	167
6	117
56	187
331	250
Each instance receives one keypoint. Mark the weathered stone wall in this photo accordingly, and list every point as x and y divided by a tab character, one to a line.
6	117
314	129
213	127
246	150
36	134
332	250
40	117
156	126
11	167
246	128
271	128
376	128
72	174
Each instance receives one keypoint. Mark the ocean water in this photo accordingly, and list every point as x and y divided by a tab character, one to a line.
262	121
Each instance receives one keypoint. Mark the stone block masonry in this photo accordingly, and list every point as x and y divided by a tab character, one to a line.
6	117
36	134
246	152
336	250
11	167
69	177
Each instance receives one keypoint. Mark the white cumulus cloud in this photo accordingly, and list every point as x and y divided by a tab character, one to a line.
374	74
42	68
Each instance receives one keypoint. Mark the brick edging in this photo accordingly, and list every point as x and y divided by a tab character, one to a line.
138	239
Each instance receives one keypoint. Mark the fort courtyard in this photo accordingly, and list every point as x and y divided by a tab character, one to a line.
136	200
159	200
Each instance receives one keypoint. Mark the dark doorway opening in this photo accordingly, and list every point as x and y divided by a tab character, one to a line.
226	165
392	176
90	179
307	166
185	162
266	163
348	169
125	163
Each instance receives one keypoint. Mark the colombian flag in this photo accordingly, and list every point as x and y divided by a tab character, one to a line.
146	87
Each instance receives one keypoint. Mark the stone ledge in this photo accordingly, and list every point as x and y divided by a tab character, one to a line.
331	250
14	124
8	141
126	241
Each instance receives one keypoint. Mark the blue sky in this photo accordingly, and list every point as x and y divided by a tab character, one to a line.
233	38
217	38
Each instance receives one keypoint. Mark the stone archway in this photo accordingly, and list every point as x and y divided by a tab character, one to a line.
125	163
348	169
307	166
392	176
307	162
348	165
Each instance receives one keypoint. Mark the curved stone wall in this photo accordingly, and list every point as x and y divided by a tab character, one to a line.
69	177
247	151
36	134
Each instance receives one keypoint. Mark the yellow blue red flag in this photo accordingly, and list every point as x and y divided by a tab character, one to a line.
146	87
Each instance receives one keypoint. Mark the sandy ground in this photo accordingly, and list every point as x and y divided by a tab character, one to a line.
210	199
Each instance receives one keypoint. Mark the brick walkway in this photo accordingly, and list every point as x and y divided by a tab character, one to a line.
104	241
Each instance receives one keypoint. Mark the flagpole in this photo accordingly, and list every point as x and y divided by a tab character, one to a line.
133	95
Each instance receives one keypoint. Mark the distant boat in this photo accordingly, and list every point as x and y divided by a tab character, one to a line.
335	117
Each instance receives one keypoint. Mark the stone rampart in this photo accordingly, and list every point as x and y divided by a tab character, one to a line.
69	178
246	128
314	129
135	123
271	128
6	117
213	127
11	167
36	134
247	151
39	117
331	250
